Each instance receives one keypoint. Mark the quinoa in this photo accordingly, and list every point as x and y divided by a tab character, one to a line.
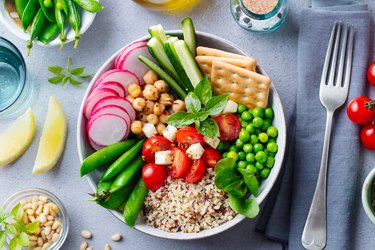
186	207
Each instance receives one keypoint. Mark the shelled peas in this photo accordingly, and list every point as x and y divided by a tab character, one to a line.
153	103
256	147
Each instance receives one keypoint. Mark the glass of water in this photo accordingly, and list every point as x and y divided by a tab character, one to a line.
15	86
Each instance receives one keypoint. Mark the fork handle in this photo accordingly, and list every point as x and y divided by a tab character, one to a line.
314	234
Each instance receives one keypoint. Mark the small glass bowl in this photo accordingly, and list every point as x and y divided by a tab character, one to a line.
26	193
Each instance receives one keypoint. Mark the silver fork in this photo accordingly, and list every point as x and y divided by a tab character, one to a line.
334	88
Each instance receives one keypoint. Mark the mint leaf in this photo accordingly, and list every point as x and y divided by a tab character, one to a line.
192	102
13	244
250	180
203	90
32	228
246	207
216	104
55	69
23	239
10	229
55	80
17	212
176	118
77	71
74	82
86	75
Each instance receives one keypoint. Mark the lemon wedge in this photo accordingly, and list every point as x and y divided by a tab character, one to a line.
17	138
52	141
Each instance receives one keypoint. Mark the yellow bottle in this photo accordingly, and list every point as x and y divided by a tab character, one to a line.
167	5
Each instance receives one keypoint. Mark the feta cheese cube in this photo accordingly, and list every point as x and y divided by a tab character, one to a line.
212	142
149	130
170	133
195	151
164	157
230	107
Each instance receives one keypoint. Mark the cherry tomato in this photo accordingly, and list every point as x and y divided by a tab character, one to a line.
181	163
371	74
152	145
188	136
368	136
211	157
229	126
196	171
360	110
154	176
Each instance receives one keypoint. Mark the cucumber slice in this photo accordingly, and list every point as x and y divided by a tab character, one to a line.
189	35
188	63
171	52
157	51
164	75
158	32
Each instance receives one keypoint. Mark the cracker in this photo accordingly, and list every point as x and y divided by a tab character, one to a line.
204	51
241	85
205	63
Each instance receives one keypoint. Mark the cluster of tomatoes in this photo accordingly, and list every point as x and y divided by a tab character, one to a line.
361	110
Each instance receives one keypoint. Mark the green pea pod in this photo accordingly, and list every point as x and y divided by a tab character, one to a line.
48	12
36	28
60	21
49	33
61	5
29	13
105	156
126	175
103	188
89	5
123	161
48	3
135	202
74	18
20	6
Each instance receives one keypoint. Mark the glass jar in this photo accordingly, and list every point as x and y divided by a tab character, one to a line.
259	15
167	5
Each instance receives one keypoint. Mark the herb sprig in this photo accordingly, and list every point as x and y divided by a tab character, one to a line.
68	75
200	104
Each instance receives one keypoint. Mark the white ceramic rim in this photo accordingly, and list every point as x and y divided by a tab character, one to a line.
208	232
366	195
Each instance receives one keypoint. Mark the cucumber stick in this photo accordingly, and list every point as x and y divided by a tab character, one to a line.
157	51
188	62
164	75
158	32
189	35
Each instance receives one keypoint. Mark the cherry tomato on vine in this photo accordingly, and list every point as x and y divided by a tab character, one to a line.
361	110
368	136
371	74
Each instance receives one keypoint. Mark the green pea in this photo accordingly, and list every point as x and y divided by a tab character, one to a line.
270	162
252	168
225	155
258	112
241	156
250	128
239	143
241	164
272	147
261	157
259	165
233	155
244	123
250	157
247	148
268	113
241	108
265	173
258	122
263	137
254	139
244	136
247	116
266	125
272	131
233	148
258	147
220	147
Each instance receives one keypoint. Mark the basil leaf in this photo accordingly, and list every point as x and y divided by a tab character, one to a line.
204	128
202	115
226	177
17	212
75	82
214	126
86	75
189	119
55	80
77	71
176	118
23	239
250	180
55	69
32	228
203	90
246	207
13	244
3	239
192	102
216	104
10	229
225	163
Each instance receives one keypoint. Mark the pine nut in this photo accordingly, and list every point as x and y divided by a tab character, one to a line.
43	235
41	203
55	237
42	218
27	206
45	246
39	210
107	247
58	230
49	223
86	234
49	217
40	241
34	206
32	243
33	238
55	224
49	237
30	211
43	198
47	230
116	237
55	208
38	248
83	246
31	218
46	210
52	212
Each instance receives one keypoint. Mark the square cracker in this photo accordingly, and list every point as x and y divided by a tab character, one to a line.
205	63
241	85
204	51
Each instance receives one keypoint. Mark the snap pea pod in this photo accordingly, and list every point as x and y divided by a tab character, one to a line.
48	3
123	161
48	33
103	188
37	26
20	6
60	21
105	156
48	12
61	5
74	18
126	175
135	202
89	5
29	13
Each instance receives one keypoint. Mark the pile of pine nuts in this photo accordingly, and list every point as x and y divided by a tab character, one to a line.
39	208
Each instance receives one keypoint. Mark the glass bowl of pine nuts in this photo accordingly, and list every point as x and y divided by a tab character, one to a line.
43	206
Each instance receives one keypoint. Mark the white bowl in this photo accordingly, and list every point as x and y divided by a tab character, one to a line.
203	39
86	20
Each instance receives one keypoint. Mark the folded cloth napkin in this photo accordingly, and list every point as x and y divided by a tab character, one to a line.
297	185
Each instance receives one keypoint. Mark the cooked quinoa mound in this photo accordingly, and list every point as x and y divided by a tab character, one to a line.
186	207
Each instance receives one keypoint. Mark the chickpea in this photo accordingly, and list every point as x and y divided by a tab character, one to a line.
136	127
158	108
160	127
139	103
178	105
163	117
130	98
150	77
161	86
150	93
166	99
149	107
142	117
134	90
153	119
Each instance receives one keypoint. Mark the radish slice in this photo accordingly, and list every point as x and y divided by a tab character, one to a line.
94	146
116	101
94	98
131	62
126	49
107	129
124	77
115	86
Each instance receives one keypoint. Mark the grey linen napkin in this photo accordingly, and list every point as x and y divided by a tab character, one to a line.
297	185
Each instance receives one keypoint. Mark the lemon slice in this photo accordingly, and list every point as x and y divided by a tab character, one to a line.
17	138
53	139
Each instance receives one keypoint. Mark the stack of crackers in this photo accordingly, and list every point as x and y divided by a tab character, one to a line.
234	75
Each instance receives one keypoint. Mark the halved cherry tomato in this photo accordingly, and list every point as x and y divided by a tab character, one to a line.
154	176
371	74
181	163
229	126
188	136
361	110
196	171
368	136
152	145
211	157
